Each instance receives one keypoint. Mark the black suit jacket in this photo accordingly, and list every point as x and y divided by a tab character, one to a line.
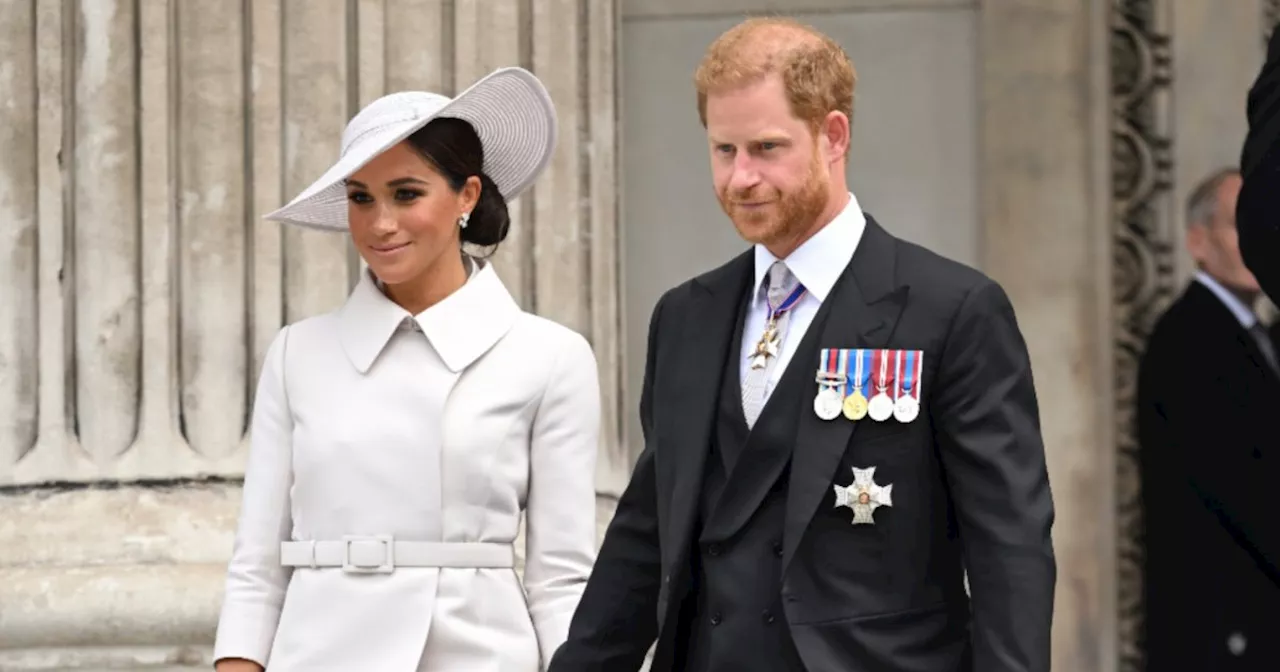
970	488
1258	208
1206	425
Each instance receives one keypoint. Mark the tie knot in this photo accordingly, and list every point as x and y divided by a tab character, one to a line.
781	283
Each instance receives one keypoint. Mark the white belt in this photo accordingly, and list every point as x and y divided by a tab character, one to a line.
381	554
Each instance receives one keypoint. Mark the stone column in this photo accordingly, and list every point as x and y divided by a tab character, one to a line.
1044	200
144	140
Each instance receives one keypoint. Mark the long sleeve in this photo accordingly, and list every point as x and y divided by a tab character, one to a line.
987	419
561	509
617	622
1258	207
256	581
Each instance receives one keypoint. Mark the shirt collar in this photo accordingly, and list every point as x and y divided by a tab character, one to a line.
1243	314
819	261
461	327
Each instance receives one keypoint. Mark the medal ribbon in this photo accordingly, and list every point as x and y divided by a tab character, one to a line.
909	373
787	303
882	357
855	381
830	368
897	374
865	360
917	371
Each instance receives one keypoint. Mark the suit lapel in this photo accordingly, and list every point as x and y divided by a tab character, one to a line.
693	396
861	312
1203	301
768	447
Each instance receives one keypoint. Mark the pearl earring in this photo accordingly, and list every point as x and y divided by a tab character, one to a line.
463	219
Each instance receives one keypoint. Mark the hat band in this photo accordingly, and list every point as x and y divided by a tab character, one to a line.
376	129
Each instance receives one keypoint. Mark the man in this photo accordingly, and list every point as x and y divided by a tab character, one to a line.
1208	392
829	528
1259	206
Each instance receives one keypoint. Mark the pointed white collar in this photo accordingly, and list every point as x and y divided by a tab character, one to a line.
461	327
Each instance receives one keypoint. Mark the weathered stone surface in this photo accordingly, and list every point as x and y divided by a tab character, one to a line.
1043	173
126	577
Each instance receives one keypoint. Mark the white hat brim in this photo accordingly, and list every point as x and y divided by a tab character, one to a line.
511	112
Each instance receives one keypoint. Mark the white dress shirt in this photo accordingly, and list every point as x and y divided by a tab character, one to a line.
817	264
1244	314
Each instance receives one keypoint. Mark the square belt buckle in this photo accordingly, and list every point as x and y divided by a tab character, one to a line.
388	564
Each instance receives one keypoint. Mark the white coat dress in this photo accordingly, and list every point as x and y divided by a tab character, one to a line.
441	427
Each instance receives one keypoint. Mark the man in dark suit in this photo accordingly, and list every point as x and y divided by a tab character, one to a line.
1208	393
787	513
1258	210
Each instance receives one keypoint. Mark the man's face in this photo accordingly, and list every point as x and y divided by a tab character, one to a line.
1215	245
767	167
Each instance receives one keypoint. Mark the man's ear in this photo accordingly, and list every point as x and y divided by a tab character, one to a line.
1197	241
835	132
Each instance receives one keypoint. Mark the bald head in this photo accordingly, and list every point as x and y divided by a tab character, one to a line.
817	75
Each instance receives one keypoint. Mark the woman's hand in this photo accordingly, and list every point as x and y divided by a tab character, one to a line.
236	665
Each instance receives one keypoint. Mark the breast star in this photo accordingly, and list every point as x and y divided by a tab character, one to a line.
863	496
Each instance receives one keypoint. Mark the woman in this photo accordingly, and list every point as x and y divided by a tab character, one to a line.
397	440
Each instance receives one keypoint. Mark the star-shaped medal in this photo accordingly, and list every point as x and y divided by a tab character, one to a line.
766	347
864	496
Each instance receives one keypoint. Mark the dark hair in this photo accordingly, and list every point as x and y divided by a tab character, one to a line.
452	146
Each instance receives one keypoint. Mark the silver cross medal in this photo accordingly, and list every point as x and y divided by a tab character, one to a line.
864	496
766	347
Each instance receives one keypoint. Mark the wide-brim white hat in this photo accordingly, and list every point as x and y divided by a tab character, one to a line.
510	110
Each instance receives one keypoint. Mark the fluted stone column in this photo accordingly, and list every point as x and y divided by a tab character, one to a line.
1045	176
143	140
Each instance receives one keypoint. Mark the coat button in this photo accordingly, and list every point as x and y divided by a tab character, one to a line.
777	548
714	549
1237	643
715	618
768	616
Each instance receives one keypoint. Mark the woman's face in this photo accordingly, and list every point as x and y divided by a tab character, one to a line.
403	215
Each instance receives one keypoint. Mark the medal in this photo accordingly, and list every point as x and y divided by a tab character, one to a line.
907	407
767	347
880	408
863	496
827	404
855	403
829	401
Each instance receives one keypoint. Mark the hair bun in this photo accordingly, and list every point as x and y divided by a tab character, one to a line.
490	221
